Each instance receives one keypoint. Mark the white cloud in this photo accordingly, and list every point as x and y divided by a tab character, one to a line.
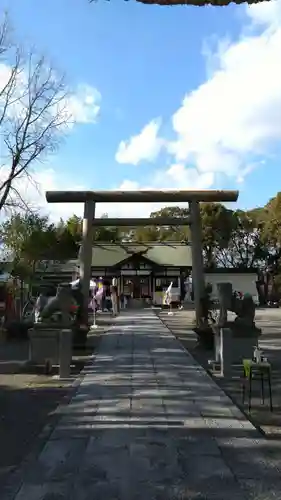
142	147
236	114
234	118
52	179
189	178
127	185
246	171
177	176
84	104
32	191
229	122
265	13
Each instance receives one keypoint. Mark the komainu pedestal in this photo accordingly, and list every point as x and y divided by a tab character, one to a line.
51	335
244	333
44	344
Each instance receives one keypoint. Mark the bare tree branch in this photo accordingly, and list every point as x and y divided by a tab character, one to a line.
10	72
33	115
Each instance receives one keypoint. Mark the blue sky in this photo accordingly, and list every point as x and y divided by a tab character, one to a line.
143	61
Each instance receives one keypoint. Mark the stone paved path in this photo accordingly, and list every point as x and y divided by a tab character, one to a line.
148	423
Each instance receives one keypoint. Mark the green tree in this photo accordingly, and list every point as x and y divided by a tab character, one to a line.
246	247
16	235
19	228
172	233
74	226
270	221
108	234
217	226
146	234
66	244
31	239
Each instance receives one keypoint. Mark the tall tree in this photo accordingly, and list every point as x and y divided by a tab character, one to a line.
19	228
146	234
31	239
74	226
246	248
33	116
17	235
172	233
270	221
108	234
217	226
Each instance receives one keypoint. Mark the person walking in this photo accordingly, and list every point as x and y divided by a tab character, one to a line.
114	297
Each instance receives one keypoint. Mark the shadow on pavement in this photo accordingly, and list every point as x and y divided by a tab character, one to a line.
270	342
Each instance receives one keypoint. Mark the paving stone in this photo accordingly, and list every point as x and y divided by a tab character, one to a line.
47	491
261	489
93	490
58	461
66	430
194	445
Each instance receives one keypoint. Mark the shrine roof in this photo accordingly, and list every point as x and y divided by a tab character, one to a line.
166	254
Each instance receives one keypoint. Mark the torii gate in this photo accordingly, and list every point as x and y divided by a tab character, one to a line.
91	198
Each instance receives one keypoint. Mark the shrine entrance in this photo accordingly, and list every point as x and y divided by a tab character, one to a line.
137	287
193	198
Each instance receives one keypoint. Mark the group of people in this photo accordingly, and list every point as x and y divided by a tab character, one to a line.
103	296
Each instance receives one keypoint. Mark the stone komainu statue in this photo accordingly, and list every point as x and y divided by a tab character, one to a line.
206	305
225	301
243	308
41	302
62	303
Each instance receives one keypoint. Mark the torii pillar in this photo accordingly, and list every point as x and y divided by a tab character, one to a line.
198	281
86	254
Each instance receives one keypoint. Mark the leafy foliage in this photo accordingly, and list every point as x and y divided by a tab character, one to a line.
217	228
164	233
245	248
31	238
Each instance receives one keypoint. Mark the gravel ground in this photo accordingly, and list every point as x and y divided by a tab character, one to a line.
269	320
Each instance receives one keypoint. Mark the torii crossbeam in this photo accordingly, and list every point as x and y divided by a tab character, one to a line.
150	221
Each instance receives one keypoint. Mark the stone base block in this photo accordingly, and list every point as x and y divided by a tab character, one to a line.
44	345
